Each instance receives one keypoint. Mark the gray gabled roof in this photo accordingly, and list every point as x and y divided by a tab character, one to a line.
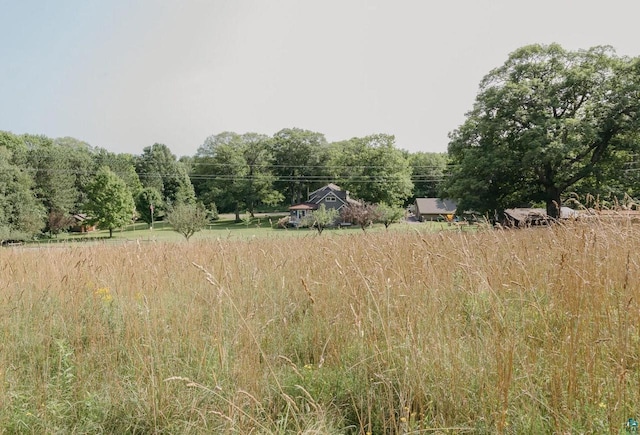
318	199
328	187
320	194
435	206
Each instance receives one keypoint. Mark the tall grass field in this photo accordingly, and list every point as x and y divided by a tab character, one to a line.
529	331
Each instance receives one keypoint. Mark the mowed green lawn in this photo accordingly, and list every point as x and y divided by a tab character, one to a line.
263	225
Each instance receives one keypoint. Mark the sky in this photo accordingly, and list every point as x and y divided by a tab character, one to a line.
125	74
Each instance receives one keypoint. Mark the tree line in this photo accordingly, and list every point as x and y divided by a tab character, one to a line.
45	181
548	125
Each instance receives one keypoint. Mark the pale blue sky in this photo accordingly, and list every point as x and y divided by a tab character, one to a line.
124	74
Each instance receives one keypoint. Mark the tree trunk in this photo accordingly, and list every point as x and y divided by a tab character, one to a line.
110	232
292	192
553	202
238	213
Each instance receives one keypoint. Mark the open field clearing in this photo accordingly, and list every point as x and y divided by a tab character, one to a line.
263	226
490	331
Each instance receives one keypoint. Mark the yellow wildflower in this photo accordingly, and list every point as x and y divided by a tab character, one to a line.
105	294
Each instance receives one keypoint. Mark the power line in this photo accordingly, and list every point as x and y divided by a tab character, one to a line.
194	175
277	166
416	178
318	179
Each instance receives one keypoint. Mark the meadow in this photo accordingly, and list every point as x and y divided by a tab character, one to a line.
417	331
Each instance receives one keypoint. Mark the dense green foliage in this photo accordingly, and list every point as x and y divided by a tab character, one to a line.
231	172
543	122
388	214
300	162
234	172
123	165
109	201
149	205
53	174
547	125
372	169
158	168
187	219
21	215
427	173
321	218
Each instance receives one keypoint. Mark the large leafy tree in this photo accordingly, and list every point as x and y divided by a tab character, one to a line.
21	215
79	155
300	162
545	120
149	205
234	171
616	182
54	175
219	172
16	147
372	169
260	177
427	173
123	165
158	168
109	204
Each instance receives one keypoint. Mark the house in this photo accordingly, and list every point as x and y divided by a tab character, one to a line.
534	216
81	224
434	209
331	195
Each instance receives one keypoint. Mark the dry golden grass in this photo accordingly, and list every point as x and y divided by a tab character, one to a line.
527	331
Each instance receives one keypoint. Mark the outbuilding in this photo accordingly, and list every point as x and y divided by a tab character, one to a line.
434	209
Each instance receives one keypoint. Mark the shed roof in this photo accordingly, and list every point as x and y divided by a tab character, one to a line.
532	214
435	206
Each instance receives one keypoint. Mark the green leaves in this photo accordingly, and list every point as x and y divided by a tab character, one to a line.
322	218
110	204
300	157
427	173
158	168
388	214
149	205
373	169
21	215
187	219
235	171
543	121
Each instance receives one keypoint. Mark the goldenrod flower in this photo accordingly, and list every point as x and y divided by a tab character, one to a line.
105	294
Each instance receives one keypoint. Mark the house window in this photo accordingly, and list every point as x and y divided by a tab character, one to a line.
330	199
